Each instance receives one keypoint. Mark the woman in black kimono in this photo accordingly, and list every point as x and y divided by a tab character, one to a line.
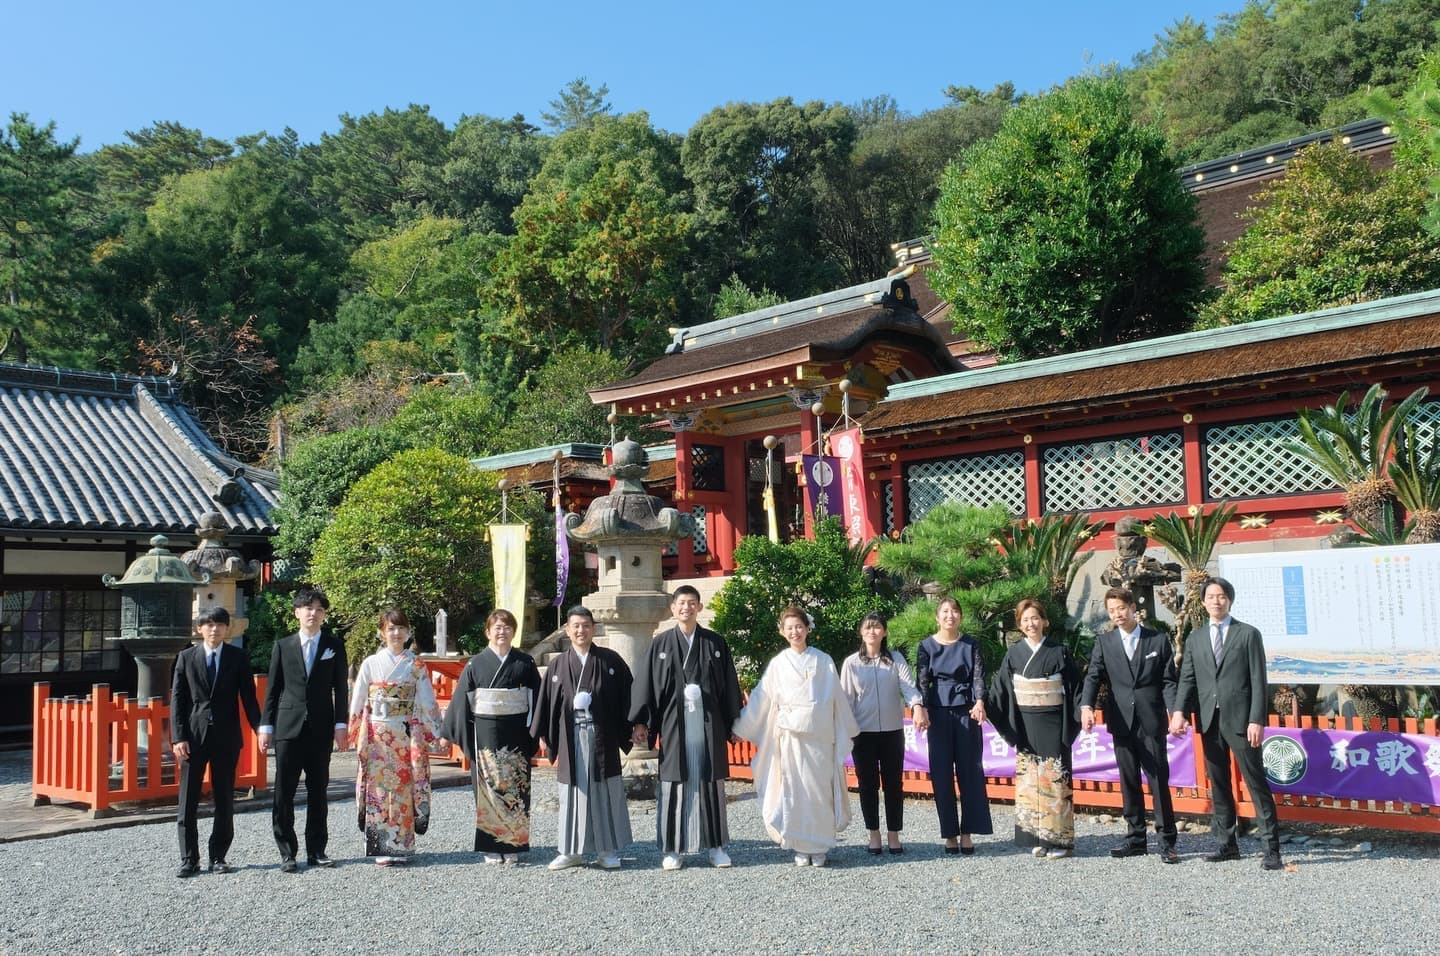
1033	705
489	716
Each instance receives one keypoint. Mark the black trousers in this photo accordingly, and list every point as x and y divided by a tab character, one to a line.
954	742
1132	755
1218	748
308	754
879	757
221	761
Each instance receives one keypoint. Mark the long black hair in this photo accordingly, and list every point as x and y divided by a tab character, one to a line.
877	618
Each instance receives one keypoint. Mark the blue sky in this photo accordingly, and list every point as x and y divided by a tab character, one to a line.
100	68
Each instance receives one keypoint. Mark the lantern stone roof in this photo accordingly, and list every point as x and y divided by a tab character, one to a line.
110	453
1353	344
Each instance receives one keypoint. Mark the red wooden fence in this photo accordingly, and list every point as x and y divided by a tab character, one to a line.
88	750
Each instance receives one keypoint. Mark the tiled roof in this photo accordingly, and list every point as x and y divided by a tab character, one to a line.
116	453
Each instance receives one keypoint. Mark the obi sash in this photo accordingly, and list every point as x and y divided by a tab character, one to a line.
499	701
1039	691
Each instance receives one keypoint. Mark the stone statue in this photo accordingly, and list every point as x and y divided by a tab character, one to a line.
1134	569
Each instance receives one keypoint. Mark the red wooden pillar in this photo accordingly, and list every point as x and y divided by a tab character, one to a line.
1194	486
730	516
685	549
1033	506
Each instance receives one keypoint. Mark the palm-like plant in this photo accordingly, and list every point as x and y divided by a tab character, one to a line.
1050	548
1415	474
1192	541
1353	448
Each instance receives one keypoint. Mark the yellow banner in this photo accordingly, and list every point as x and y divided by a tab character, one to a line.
507	546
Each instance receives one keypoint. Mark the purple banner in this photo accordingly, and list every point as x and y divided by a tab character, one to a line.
562	553
1094	755
822	485
1351	765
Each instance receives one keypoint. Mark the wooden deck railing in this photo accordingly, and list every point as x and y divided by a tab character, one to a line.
1383	815
88	751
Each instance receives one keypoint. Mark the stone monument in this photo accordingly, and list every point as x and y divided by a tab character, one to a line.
225	569
1134	569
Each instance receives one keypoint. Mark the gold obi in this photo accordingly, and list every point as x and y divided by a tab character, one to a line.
499	701
1039	691
383	707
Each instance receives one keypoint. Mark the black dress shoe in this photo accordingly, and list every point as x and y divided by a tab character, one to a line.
220	866
967	850
1223	854
1128	849
874	850
1272	861
187	870
320	859
1169	855
896	850
953	850
288	865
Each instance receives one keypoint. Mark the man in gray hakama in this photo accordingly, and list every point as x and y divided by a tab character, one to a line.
583	718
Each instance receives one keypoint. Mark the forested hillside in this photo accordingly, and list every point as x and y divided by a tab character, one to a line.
460	286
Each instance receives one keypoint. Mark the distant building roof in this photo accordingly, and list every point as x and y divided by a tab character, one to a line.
1385	333
91	451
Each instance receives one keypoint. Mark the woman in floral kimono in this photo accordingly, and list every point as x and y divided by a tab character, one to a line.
393	720
1033	704
489	717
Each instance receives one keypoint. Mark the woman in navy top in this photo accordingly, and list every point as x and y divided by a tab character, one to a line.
952	682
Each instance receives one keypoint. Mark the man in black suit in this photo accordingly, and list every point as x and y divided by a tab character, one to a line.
1227	682
1139	665
305	718
212	681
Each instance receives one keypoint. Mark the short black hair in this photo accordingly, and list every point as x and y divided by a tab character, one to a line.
580	610
1225	586
214	614
683	590
308	596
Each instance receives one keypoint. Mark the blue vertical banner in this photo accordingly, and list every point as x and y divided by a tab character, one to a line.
822	485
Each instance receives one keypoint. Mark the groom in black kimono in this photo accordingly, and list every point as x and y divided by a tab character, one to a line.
687	693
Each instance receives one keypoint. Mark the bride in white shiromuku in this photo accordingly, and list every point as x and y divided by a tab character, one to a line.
801	723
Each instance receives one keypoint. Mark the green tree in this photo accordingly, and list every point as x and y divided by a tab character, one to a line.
1069	229
412	534
133	172
381	169
233	243
44	255
455	417
825	576
314	478
757	170
488	167
1416	118
553	409
600	242
1332	231
736	298
576	106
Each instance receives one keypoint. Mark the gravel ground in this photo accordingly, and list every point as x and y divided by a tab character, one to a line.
114	891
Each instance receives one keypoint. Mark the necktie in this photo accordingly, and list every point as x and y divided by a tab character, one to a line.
212	665
1217	642
309	651
1130	644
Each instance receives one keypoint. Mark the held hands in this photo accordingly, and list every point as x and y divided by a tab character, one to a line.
640	735
1087	718
181	749
919	717
1254	735
1178	724
977	713
342	738
265	740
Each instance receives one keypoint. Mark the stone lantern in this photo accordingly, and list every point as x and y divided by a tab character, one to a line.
225	568
630	528
156	621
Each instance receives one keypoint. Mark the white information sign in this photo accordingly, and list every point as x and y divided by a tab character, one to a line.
1343	615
